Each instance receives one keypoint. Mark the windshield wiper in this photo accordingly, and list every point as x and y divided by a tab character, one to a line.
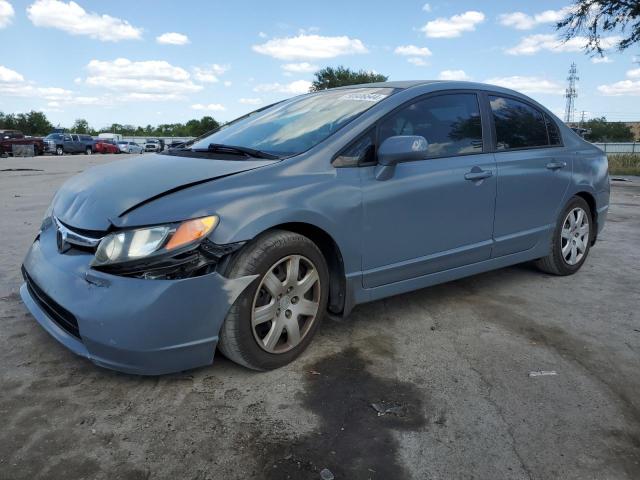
246	151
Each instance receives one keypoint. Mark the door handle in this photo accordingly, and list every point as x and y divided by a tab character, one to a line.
479	175
556	165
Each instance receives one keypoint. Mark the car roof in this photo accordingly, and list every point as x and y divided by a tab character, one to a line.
436	84
441	85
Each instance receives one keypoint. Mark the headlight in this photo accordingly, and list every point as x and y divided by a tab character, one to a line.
130	245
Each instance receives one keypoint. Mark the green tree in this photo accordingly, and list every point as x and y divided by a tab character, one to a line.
602	131
81	126
331	77
207	124
595	18
32	123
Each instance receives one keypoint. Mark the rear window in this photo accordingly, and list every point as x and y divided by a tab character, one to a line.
518	124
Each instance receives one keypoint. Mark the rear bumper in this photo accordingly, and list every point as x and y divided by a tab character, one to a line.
146	327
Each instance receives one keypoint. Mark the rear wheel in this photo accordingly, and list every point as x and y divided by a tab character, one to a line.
571	240
88	151
275	318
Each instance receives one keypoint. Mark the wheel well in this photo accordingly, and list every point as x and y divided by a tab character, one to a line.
591	201
331	252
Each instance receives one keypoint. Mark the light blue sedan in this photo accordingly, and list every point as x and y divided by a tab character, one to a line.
246	238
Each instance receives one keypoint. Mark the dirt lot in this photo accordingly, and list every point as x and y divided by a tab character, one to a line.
455	359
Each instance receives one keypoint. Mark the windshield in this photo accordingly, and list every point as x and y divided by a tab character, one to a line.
296	125
54	136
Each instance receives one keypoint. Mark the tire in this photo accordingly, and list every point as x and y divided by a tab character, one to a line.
88	151
243	343
572	238
59	151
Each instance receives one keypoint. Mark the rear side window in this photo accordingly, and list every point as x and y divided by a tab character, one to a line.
450	123
518	125
553	132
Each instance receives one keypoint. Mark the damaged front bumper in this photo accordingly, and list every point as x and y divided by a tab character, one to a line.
133	325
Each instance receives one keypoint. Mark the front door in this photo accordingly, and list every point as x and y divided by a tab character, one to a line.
433	214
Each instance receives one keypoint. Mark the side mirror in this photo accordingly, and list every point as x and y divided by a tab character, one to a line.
400	148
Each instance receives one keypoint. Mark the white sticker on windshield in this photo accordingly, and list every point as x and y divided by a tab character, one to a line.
364	97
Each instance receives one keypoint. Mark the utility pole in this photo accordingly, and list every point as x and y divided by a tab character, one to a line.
571	94
583	118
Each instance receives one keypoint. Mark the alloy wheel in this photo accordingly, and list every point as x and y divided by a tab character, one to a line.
286	304
575	236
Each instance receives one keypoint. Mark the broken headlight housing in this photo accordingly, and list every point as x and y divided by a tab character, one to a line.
163	251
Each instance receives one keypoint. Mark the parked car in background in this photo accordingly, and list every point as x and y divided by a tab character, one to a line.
153	145
130	147
175	144
248	238
8	138
106	146
61	143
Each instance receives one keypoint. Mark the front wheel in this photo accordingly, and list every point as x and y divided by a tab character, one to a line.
59	151
275	318
88	151
571	240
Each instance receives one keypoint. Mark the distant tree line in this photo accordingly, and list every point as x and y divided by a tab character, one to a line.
599	130
37	124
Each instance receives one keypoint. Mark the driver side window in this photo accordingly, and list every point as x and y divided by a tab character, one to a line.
450	123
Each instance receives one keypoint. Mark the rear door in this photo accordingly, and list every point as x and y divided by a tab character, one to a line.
433	214
534	172
76	144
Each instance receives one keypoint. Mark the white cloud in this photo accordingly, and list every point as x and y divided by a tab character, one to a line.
412	51
550	42
453	26
150	80
528	84
227	83
294	88
304	67
72	18
635	73
6	13
7	75
13	84
304	47
211	107
417	61
603	59
623	87
453	75
210	73
250	101
522	21
262	35
172	38
426	7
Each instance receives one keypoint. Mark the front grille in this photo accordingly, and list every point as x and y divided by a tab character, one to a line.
62	317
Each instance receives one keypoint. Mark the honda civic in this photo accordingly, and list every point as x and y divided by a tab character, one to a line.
244	239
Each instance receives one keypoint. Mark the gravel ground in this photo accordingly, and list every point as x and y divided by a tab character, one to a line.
448	367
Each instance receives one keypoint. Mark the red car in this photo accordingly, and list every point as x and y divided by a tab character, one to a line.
8	138
106	146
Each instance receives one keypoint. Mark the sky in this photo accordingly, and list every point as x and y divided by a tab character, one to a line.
150	62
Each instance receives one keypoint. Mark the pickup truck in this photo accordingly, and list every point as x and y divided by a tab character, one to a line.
61	143
8	138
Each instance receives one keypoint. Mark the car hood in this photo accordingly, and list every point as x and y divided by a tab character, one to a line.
95	198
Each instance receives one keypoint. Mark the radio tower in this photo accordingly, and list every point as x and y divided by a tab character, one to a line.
571	94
